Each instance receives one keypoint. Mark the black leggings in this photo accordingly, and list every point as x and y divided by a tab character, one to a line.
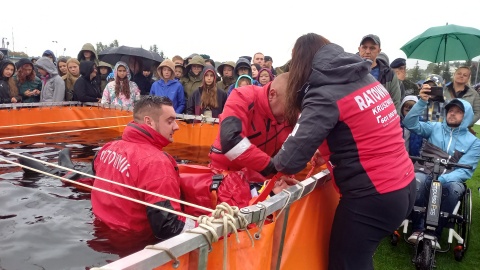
361	223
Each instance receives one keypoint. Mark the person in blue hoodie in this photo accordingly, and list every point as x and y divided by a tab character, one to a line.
242	67
449	139
168	86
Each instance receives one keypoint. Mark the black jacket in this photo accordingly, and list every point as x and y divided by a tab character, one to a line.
84	89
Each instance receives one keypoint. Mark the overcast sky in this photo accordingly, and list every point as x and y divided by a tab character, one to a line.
224	30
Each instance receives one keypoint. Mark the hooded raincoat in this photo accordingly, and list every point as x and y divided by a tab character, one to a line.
53	87
109	96
172	88
86	89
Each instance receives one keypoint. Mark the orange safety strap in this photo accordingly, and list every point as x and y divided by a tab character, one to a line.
268	188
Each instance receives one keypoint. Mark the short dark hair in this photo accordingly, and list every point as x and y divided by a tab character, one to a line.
148	105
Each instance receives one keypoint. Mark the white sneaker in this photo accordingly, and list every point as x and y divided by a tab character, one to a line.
415	237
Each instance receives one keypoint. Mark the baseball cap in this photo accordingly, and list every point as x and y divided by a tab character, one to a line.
268	58
457	103
373	37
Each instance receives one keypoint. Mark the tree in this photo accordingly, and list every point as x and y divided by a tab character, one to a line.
154	48
416	74
162	55
17	54
447	76
437	69
114	44
474	68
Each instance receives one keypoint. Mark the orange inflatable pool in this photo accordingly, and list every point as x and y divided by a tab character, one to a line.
298	239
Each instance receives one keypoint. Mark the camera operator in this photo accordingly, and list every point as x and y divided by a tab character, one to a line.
449	139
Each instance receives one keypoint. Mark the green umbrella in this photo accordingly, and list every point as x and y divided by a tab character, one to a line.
444	43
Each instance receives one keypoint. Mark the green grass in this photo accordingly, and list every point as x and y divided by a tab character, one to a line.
399	257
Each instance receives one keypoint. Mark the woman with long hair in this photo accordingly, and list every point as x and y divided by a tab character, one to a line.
121	91
8	88
73	73
62	66
207	100
29	85
350	117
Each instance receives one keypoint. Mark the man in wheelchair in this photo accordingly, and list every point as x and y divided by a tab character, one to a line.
450	140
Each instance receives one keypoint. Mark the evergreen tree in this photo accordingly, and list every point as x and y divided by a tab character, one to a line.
114	44
437	69
154	48
416	74
447	76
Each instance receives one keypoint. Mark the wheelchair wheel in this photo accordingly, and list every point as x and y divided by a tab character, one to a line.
464	227
425	256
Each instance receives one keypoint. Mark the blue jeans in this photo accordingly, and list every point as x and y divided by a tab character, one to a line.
452	192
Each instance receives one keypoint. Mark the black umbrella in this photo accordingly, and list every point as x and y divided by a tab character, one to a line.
125	53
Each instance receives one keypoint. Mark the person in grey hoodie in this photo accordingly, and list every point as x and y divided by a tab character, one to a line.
53	87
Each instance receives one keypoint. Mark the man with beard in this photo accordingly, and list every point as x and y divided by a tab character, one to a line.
451	140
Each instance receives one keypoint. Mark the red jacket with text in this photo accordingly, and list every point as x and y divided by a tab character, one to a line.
249	134
138	160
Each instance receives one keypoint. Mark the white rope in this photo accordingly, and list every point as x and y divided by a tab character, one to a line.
289	194
176	262
103	190
102	179
67	121
59	132
223	214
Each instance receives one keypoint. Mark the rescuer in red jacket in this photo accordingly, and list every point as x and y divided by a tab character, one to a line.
252	130
138	160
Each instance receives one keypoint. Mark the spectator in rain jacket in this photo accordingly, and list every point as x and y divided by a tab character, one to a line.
103	69
207	100
369	49
193	75
121	91
242	67
88	53
50	55
73	73
86	87
264	76
168	86
226	71
29	85
53	87
144	79
8	88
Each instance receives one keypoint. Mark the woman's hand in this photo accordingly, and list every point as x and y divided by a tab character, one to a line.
317	159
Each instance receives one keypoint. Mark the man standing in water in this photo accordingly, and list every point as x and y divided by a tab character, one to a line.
130	161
